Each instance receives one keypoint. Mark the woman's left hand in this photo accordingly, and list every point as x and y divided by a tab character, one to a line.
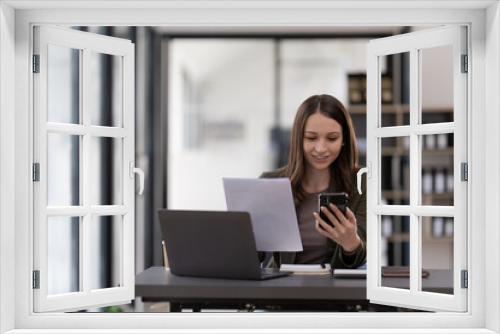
344	230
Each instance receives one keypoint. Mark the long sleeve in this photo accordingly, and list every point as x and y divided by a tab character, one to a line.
357	204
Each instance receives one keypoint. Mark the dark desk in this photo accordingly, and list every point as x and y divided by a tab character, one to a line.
305	292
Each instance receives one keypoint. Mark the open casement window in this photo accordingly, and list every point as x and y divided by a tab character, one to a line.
416	158
83	170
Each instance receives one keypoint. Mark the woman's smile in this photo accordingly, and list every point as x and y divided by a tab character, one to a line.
321	158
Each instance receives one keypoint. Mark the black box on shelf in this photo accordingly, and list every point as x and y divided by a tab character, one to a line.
357	88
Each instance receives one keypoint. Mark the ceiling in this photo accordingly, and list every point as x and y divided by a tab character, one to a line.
281	31
249	4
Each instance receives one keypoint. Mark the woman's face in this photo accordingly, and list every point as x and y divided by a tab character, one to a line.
322	141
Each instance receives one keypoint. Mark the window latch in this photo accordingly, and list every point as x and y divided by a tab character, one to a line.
141	175
368	171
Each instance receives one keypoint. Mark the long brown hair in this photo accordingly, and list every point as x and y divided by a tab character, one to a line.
343	168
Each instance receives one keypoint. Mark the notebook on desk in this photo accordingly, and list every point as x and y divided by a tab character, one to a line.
218	244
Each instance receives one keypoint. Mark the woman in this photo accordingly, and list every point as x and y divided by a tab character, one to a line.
323	158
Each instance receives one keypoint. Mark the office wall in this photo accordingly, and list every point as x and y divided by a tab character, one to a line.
317	66
437	75
221	87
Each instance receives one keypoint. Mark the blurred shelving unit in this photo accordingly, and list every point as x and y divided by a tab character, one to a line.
437	184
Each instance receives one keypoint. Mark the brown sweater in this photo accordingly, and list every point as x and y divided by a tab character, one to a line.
334	253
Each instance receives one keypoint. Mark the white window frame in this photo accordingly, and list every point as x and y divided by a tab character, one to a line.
413	43
483	292
85	297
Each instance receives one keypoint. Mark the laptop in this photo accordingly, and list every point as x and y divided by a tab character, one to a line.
218	244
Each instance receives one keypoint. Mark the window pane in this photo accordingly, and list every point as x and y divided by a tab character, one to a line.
437	169
107	89
437	251
107	171
106	244
395	98
437	84
395	251
63	84
63	169
395	170
63	255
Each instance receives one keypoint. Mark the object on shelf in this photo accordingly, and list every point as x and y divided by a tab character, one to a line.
386	228
356	83
361	143
430	142
384	252
448	227
357	88
406	142
440	182
449	181
427	181
386	86
442	140
426	227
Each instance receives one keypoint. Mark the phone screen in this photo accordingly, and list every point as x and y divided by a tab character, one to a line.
339	199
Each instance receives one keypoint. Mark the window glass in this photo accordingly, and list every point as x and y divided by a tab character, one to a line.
437	84
106	243
437	252
106	171
395	251
63	84
437	169
395	170
63	255
63	169
394	76
106	89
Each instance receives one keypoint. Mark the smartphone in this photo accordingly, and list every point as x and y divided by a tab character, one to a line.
339	199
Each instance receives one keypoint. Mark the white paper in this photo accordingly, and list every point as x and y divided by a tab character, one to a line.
309	269
350	273
272	210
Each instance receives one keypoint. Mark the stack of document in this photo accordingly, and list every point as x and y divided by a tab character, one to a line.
349	273
308	269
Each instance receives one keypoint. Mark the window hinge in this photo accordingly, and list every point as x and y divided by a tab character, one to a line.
465	279
464	171
36	279
36	172
36	63
465	64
